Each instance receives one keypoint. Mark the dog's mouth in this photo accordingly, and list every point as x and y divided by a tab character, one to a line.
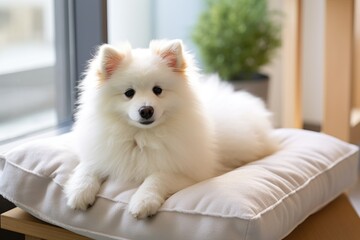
146	122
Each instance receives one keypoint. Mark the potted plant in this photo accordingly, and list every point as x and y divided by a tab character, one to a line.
235	38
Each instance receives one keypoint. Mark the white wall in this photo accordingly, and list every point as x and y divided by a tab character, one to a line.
274	70
130	21
176	19
313	60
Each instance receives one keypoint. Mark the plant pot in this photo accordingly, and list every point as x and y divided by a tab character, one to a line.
256	84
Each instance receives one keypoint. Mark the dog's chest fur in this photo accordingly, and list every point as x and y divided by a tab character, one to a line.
134	158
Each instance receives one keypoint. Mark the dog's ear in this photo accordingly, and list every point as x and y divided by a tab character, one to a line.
110	59
171	52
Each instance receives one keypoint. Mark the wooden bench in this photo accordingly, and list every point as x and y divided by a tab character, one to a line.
17	220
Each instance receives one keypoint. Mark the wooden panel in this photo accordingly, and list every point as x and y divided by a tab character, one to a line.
338	67
356	87
355	125
338	220
291	89
355	112
19	221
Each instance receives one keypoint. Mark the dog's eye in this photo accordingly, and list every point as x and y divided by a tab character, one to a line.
130	93
157	90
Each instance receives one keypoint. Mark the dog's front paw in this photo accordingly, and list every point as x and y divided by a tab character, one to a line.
144	205
81	198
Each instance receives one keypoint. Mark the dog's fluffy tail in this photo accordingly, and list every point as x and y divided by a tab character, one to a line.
242	124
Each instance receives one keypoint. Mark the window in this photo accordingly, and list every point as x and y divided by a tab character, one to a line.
44	48
27	61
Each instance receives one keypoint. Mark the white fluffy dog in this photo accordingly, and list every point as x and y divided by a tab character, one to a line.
146	116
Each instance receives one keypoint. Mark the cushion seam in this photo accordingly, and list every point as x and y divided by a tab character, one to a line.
339	160
32	211
53	180
25	170
351	155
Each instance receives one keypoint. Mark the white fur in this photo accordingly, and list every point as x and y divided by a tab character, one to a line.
201	127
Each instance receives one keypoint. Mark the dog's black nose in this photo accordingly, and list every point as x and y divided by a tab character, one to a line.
146	112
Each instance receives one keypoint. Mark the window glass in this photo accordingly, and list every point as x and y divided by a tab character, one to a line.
27	65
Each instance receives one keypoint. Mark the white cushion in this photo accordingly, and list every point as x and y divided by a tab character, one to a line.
266	199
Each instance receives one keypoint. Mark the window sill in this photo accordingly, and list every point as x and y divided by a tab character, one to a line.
45	133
